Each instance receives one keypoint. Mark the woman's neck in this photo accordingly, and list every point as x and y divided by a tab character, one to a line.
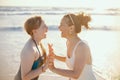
36	40
73	39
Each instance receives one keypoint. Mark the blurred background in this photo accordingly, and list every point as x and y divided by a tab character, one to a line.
103	38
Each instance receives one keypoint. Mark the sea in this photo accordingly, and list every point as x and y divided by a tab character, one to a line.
103	38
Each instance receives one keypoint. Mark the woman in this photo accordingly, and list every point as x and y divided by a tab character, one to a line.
78	53
33	55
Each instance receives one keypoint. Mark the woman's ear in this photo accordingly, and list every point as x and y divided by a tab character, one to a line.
33	31
71	30
72	27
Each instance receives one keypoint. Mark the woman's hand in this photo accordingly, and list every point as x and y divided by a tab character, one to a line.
51	57
51	63
51	52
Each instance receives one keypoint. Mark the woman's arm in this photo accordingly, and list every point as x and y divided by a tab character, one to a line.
51	52
60	58
27	59
80	61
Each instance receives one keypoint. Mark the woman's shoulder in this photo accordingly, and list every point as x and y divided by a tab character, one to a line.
28	49
83	45
82	49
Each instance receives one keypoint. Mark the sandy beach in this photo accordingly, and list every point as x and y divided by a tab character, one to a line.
46	77
57	77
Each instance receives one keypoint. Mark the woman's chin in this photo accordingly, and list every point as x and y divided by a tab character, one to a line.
44	37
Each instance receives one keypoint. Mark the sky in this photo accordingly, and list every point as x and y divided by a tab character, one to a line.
100	4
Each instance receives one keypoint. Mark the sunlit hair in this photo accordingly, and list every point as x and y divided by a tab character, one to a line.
78	20
32	23
43	52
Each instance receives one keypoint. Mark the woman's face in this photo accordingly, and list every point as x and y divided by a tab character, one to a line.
41	31
64	28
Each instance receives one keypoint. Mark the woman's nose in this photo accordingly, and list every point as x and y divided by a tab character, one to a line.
46	28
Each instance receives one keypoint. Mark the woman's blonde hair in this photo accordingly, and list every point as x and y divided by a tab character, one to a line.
78	20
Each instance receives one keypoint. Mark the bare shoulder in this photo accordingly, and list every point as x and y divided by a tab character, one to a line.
83	45
82	48
27	51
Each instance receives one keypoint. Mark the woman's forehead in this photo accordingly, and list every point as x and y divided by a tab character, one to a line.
64	20
42	23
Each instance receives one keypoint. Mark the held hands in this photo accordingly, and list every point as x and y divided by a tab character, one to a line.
51	57
51	52
49	60
46	64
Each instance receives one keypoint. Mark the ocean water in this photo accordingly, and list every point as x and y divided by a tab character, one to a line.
103	39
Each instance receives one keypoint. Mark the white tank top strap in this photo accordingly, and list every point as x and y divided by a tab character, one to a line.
76	46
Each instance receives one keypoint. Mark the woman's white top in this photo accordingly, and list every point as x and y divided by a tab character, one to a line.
87	73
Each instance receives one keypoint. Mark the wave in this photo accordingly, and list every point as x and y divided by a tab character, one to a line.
19	28
53	28
11	28
9	10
